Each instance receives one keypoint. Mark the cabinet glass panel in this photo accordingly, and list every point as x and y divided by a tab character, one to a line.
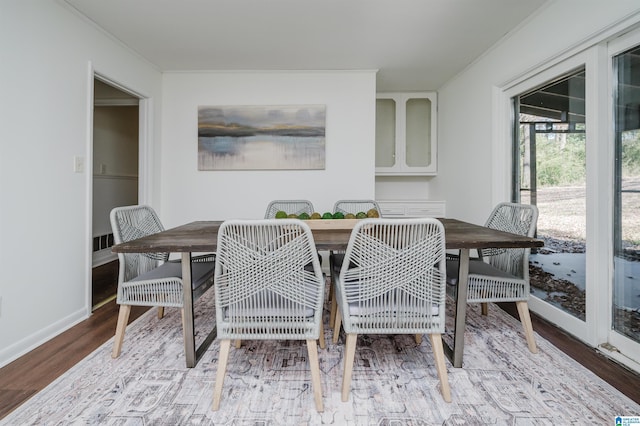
385	132
418	128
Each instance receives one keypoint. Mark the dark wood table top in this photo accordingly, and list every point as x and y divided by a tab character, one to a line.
202	236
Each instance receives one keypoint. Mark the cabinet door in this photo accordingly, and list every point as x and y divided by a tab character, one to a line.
406	134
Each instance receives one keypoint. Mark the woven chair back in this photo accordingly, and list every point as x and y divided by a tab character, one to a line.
130	223
393	277
355	206
520	219
296	207
268	282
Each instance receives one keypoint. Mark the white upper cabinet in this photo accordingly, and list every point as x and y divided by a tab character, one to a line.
406	134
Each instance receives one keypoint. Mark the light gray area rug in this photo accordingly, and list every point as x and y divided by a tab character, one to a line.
268	383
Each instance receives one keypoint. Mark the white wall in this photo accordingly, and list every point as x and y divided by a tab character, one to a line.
466	113
45	233
189	194
45	229
403	188
115	162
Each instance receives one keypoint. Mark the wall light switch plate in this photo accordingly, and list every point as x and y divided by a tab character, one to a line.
78	164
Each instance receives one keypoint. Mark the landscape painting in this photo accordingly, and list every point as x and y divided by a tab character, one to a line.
261	137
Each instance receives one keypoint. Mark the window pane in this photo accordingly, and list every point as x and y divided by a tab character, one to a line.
626	289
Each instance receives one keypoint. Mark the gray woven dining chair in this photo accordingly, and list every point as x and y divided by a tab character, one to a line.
296	207
392	281
150	279
499	274
355	206
265	289
288	206
336	256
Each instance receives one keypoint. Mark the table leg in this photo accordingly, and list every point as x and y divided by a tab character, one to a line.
189	332
455	354
461	308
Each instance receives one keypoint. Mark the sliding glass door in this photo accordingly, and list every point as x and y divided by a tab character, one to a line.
550	153
576	155
550	157
625	300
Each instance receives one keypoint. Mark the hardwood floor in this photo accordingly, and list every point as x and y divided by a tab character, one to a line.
617	375
31	373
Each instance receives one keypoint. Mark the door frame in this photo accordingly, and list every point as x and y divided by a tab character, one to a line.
575	326
596	56
145	155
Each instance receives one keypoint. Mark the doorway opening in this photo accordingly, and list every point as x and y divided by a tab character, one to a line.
116	119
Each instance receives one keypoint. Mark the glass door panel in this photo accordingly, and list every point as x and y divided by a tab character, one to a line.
626	288
385	132
550	172
418	129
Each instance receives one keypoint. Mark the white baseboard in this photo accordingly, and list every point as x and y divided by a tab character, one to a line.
16	350
103	256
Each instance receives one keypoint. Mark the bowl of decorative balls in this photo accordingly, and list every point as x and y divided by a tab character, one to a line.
328	220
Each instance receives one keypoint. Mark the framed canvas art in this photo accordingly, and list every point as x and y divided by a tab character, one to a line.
261	137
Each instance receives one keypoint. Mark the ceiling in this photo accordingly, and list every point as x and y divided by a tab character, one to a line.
560	100
414	44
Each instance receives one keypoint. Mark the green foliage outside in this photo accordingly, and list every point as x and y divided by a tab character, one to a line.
631	153
561	159
561	175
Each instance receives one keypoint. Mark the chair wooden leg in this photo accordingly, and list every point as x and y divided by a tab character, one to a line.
160	312
484	308
349	355
336	327
418	339
238	343
323	344
334	306
123	319
225	346
438	354
525	319
314	364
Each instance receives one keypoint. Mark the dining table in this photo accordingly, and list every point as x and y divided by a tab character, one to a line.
202	236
